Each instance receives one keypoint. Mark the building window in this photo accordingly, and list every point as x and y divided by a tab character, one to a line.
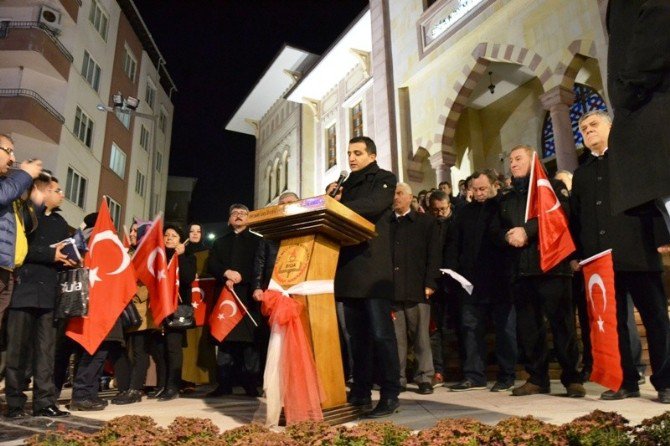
150	94
144	137
98	19
162	120
91	71
586	100
331	144
286	173
140	181
83	127
117	161
75	187
159	161
124	117
129	64
114	212
277	179
357	120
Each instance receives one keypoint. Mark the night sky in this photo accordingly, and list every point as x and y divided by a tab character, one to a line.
216	51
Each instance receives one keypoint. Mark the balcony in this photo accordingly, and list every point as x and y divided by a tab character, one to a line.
26	112
33	45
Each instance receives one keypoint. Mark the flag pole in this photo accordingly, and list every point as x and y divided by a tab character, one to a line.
530	184
242	305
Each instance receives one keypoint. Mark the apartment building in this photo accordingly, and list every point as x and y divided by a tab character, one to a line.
61	63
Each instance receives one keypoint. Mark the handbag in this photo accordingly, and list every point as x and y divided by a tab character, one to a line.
182	318
72	293
130	316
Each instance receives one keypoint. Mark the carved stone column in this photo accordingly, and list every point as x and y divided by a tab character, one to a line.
558	101
442	162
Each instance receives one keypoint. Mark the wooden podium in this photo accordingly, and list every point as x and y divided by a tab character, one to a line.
311	233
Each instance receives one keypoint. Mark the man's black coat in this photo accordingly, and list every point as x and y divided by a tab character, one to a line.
525	261
633	238
365	270
416	256
36	279
471	250
236	252
638	69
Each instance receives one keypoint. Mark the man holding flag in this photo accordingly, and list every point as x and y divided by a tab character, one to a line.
533	226
636	267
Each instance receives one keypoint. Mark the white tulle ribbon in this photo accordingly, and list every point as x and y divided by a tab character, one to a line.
306	288
274	393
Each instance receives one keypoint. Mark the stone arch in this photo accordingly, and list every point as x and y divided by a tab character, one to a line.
575	56
483	55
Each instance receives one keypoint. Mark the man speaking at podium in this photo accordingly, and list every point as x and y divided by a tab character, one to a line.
364	281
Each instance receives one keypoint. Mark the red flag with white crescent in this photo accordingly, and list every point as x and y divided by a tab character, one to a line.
555	241
202	299
112	284
151	266
601	303
225	315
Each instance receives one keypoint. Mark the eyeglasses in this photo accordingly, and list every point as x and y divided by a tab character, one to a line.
58	191
234	213
8	150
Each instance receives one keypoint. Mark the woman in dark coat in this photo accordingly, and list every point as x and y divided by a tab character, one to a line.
170	344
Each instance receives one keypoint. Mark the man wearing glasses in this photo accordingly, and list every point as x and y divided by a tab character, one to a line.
231	262
13	243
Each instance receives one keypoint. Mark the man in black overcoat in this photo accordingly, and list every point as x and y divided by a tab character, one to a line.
537	295
472	253
638	71
416	261
637	264
364	280
231	262
31	332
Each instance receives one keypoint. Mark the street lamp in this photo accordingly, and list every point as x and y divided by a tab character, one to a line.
128	105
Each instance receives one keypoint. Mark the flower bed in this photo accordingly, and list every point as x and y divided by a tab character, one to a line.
595	429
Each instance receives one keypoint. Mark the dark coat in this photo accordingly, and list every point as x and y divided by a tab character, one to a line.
36	279
633	238
365	270
416	256
638	82
264	263
236	252
525	261
187	270
471	250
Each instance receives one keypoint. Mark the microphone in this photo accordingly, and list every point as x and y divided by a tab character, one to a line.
340	180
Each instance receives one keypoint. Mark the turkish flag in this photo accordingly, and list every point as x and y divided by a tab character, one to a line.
555	241
112	284
225	316
202	299
152	270
601	303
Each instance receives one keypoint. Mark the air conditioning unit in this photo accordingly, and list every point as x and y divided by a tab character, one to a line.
50	17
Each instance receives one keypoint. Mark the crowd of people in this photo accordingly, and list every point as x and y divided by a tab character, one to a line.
392	297
390	289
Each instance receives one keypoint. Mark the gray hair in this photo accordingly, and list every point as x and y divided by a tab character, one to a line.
406	187
600	113
288	194
237	206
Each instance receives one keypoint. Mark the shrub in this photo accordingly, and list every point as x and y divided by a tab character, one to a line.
653	431
451	431
527	431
